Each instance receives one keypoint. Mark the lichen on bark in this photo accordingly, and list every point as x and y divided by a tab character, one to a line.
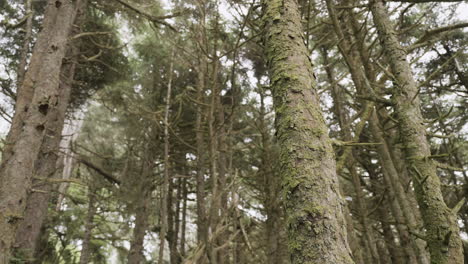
442	231
314	208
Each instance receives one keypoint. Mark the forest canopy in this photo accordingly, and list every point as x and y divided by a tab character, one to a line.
233	131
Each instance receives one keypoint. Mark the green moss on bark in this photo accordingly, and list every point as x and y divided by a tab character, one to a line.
314	215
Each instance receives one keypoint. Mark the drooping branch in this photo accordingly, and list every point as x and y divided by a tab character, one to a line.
99	170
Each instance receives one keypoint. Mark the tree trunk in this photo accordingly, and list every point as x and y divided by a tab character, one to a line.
89	225
317	232
272	186
37	100
371	254
135	255
23	54
46	166
442	231
167	177
202	227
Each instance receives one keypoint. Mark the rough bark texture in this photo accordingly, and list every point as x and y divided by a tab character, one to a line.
29	231
363	74
442	231
314	213
32	121
202	228
26	43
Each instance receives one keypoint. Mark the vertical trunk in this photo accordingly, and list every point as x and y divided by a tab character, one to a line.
442	231
174	221
393	180
167	178
345	125
213	219
135	255
396	253
313	204
184	218
89	225
202	228
35	214
271	183
362	74
37	100
46	166
26	42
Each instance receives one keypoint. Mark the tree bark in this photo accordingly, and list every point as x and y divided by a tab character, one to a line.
167	166
202	227
46	166
135	255
37	100
26	43
442	231
89	225
315	220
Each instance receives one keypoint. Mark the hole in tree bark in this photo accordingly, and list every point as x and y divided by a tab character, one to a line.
44	108
40	128
58	4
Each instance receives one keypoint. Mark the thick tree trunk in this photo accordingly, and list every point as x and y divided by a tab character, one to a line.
442	231
315	220
29	230
37	100
46	166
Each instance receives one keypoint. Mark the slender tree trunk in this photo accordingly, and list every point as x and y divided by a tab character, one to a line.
36	102
184	218
272	186
89	225
442	231
315	219
167	177
345	125
202	227
362	73
135	255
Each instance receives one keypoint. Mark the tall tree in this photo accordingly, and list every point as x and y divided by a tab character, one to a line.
442	230
314	213
37	100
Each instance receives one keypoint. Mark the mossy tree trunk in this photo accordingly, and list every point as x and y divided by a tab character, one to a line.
314	208
442	231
